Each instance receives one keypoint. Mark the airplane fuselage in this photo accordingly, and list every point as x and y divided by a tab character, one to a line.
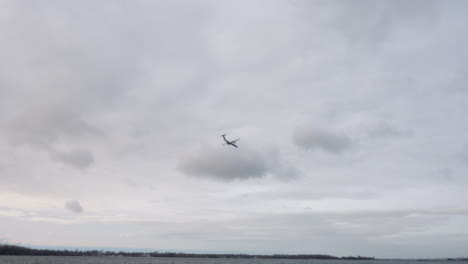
232	143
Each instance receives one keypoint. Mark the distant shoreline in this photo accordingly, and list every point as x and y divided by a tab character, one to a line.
13	250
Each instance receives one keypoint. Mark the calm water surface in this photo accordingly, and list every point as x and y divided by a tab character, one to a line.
128	260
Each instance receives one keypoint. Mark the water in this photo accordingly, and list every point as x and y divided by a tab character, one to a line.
142	260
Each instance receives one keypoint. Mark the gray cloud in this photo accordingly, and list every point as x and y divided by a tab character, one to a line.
44	127
369	24
386	130
286	172
157	77
315	138
74	206
243	163
77	158
464	153
225	164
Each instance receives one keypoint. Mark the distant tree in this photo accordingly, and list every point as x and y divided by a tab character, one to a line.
6	249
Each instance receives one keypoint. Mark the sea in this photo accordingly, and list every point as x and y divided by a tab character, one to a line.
152	260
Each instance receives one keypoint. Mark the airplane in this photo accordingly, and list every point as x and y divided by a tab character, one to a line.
232	143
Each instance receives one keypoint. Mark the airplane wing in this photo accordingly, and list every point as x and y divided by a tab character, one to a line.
235	140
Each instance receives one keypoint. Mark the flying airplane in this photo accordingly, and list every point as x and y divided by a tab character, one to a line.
232	143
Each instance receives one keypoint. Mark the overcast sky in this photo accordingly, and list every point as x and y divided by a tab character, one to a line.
352	118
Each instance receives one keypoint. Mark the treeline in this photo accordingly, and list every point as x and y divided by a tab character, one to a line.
25	251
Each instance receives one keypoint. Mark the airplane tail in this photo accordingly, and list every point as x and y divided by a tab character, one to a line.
223	135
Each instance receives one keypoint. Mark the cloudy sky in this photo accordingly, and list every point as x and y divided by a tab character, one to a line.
353	120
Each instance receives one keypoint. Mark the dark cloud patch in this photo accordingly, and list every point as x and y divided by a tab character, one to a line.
369	24
74	206
44	127
225	164
386	130
313	138
77	158
242	164
464	153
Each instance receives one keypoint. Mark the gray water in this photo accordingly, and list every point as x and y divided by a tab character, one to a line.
142	260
